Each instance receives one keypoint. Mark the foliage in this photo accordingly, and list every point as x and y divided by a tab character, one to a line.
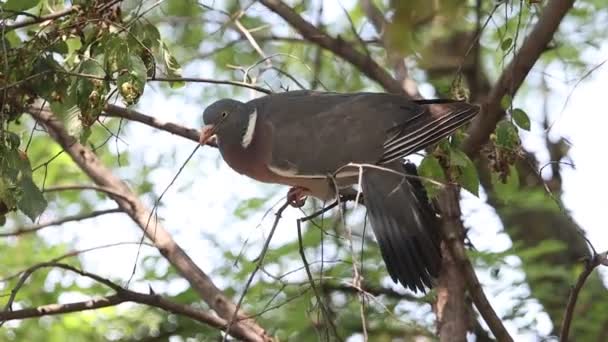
103	52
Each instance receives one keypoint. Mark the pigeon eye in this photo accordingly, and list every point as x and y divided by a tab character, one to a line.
224	114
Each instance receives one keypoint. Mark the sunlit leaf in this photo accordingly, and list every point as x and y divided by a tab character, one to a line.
430	168
506	44
506	135
506	189
20	5
505	102
249	206
132	78
467	177
32	203
521	118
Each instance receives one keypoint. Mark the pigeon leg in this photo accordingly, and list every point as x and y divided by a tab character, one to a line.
296	196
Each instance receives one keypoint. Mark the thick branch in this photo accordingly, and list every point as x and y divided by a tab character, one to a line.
453	234
515	73
336	45
163	241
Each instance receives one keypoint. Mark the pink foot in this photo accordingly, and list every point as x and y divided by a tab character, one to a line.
296	196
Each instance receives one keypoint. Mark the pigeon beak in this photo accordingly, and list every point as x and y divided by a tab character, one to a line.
207	133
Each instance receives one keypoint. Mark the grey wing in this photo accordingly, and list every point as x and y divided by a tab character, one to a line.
315	134
318	144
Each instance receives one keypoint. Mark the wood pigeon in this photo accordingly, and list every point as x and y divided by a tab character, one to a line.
310	140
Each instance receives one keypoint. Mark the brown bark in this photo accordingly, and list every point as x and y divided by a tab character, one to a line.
132	206
451	308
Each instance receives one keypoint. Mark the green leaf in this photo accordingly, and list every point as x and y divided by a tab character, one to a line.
459	158
506	101
521	118
31	202
74	44
431	168
91	90
12	140
145	35
132	79
85	134
68	111
506	190
59	47
171	66
248	206
12	38
506	135
116	52
467	177
506	44
20	5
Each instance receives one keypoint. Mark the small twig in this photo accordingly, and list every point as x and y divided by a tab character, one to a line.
122	295
38	20
210	80
79	217
590	265
25	275
260	260
514	74
154	211
338	46
77	252
120	112
311	280
107	190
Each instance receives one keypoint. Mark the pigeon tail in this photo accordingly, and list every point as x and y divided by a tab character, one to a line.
404	224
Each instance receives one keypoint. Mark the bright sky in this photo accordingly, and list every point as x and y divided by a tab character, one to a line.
203	200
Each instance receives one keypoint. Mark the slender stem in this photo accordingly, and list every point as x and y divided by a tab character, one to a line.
37	20
590	265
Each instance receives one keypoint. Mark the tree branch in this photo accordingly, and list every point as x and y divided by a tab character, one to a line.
122	295
210	80
453	236
106	190
451	307
590	265
395	59
57	222
38	20
120	112
163	241
372	290
515	73
336	45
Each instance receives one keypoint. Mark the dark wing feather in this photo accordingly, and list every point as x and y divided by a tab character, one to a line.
406	229
426	129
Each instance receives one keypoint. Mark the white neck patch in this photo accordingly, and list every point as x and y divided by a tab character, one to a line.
248	136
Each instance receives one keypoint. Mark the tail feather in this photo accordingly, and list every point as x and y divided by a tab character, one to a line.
404	225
